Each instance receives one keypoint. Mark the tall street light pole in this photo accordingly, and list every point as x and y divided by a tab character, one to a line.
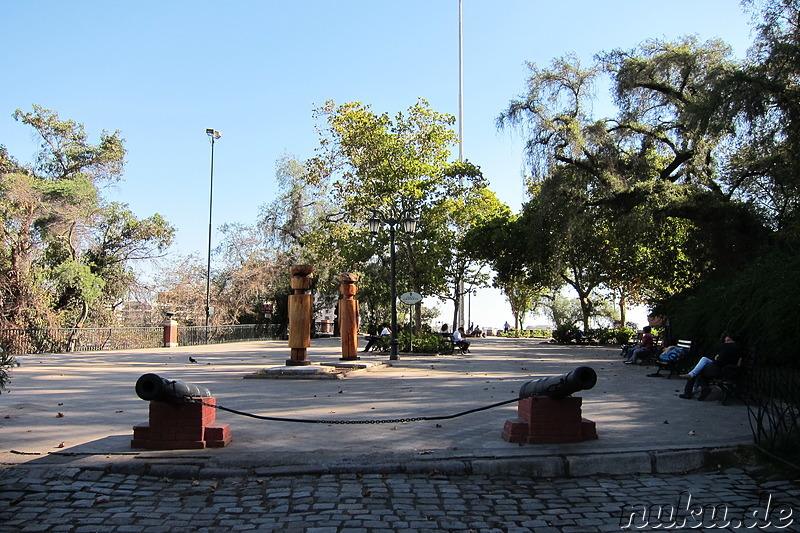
213	135
409	225
460	135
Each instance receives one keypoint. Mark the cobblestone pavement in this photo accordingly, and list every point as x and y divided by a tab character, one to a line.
75	500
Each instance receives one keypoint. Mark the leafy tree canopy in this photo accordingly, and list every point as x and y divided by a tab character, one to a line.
65	252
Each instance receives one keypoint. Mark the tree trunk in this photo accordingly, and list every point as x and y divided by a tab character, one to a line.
586	310
73	336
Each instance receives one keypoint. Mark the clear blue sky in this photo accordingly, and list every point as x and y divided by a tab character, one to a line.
163	71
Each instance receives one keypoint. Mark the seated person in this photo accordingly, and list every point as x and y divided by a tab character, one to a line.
728	353
458	340
644	347
372	339
671	353
577	335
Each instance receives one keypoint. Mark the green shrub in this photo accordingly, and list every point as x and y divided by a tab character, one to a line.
7	361
624	335
758	301
427	343
562	333
525	333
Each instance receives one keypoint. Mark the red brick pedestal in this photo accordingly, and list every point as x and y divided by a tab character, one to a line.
182	427
170	333
543	420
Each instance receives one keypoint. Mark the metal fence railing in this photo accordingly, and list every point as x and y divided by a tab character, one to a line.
18	341
773	403
197	335
61	340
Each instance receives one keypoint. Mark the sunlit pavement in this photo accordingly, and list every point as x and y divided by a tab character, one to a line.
67	426
80	408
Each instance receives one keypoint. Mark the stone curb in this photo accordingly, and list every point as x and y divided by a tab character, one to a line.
552	466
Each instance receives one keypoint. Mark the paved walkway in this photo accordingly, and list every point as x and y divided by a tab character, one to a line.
67	464
60	500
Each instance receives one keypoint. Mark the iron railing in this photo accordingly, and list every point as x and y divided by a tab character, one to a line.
61	340
773	403
197	335
17	341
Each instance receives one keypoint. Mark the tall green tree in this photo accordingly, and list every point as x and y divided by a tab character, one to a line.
66	253
522	297
395	166
763	100
463	209
616	185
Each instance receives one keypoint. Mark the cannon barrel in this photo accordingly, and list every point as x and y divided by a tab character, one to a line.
557	387
152	387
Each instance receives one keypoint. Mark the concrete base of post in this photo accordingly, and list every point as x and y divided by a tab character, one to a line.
543	420
188	426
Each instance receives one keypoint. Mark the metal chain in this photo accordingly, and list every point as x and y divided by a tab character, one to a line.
322	421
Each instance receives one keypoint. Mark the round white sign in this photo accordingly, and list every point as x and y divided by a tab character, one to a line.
411	298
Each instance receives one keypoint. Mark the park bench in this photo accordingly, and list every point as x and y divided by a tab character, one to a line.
734	380
647	356
450	346
677	365
382	343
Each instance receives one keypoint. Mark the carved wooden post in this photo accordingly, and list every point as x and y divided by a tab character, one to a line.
348	316
300	315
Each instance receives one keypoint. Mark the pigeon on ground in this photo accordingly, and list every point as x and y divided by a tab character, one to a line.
192	359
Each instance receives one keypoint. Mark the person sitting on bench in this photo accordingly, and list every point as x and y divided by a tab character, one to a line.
728	353
459	342
372	339
644	347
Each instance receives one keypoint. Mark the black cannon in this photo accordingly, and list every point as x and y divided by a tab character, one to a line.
557	387
152	387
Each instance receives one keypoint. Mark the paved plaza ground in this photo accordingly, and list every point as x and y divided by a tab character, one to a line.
67	462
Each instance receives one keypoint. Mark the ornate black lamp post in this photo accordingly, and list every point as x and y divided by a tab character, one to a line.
409	225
